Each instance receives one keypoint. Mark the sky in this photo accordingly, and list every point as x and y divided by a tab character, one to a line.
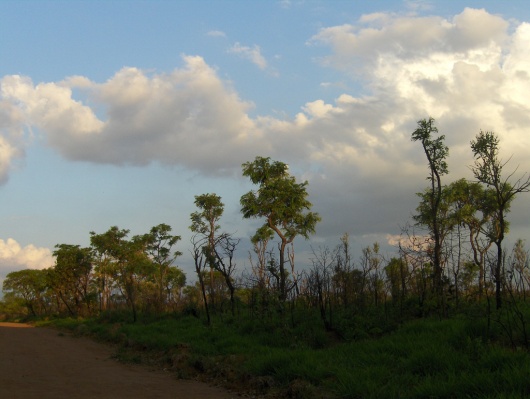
117	113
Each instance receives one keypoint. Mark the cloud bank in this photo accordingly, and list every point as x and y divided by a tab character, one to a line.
469	73
14	257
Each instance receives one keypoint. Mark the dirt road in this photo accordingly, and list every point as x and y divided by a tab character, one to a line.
42	363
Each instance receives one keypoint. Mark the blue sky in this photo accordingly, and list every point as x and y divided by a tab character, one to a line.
119	112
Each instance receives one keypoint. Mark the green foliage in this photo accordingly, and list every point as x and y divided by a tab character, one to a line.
211	209
488	170
432	208
282	202
435	149
423	358
28	288
279	199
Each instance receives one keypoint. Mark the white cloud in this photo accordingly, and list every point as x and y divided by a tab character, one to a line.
14	257
253	54
411	38
216	33
187	117
12	142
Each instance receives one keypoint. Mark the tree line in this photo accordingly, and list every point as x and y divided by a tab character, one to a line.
450	257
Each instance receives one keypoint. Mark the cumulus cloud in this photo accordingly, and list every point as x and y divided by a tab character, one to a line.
12	142
188	117
469	72
410	37
14	257
462	72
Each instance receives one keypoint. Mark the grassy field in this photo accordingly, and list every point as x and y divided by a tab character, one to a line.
420	359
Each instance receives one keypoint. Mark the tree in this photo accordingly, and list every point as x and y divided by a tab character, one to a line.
282	202
487	169
225	264
71	277
343	276
260	241
200	260
219	248
474	207
397	273
205	223
125	261
158	245
436	152
30	286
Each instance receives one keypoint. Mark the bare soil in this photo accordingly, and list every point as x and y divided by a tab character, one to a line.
44	363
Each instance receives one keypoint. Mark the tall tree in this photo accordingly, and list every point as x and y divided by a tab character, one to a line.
126	260
282	202
436	152
200	259
158	245
219	248
474	207
488	168
71	278
205	223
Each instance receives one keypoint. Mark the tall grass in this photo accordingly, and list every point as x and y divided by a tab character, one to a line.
421	359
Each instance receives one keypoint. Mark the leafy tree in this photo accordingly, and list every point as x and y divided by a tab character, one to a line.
125	260
70	278
218	248
282	202
166	278
474	207
30	286
175	281
436	152
488	168
205	223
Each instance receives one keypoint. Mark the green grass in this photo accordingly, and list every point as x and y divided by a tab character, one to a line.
422	359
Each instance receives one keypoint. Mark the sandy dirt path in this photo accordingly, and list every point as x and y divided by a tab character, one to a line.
42	363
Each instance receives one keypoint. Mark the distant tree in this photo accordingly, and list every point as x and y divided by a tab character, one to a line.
519	265
343	276
436	152
158	245
397	275
319	282
282	202
488	168
200	260
205	223
225	264
71	277
260	268
219	248
473	206
30	286
125	260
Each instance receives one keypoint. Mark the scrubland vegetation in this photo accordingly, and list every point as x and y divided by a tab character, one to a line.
445	317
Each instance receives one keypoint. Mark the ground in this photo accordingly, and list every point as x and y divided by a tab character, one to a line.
44	363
